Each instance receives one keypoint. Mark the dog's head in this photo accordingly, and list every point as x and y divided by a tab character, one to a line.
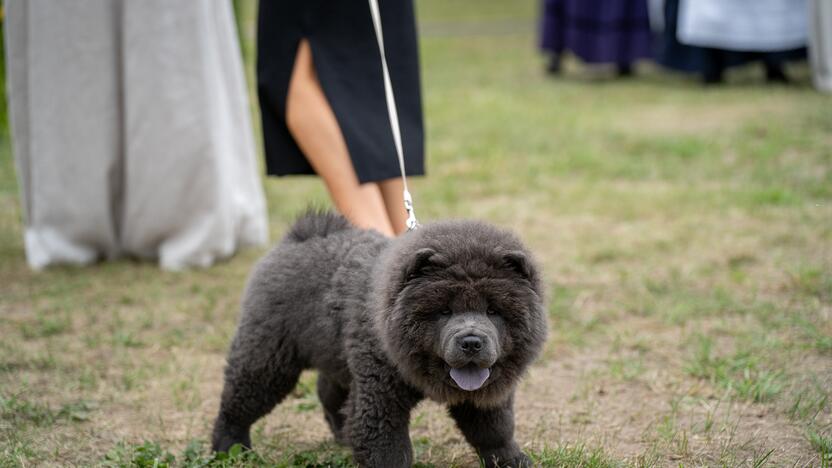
460	310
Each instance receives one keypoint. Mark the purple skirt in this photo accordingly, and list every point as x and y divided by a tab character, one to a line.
597	31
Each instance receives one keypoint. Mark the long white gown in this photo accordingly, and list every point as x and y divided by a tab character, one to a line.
820	43
131	131
744	25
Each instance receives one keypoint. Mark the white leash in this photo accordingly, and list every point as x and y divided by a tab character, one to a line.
394	116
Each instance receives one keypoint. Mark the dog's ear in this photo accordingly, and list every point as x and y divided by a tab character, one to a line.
422	259
517	261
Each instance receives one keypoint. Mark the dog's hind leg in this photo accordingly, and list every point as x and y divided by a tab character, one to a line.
332	398
262	369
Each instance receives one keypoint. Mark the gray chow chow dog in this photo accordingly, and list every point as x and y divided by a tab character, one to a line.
452	311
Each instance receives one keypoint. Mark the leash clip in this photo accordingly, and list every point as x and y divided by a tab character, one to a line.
411	222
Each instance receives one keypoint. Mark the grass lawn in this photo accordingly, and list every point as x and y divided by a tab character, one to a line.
685	234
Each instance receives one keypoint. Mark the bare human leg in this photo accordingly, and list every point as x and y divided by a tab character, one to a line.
313	125
392	192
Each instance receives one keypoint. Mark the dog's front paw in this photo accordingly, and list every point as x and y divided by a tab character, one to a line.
226	436
517	460
521	461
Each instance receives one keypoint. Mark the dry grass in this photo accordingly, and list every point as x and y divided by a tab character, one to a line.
686	236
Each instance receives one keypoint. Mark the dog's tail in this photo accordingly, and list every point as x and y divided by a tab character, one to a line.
317	223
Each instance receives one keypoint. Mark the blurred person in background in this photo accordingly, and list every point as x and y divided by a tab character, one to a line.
820	43
323	105
708	36
131	131
597	31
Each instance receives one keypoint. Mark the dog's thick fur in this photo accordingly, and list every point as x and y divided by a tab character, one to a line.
382	321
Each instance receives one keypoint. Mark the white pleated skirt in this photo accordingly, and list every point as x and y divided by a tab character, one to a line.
131	131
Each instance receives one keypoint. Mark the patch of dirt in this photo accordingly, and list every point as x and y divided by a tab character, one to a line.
675	118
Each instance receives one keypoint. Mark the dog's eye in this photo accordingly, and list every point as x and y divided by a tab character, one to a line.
446	312
491	312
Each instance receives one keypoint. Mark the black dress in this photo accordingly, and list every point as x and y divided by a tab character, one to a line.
348	64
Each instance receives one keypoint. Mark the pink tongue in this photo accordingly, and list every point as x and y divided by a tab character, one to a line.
470	377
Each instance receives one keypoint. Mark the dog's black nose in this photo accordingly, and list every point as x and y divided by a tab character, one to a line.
471	344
